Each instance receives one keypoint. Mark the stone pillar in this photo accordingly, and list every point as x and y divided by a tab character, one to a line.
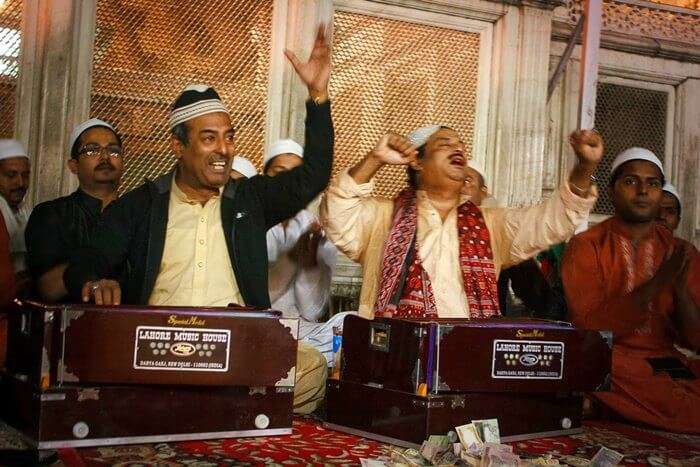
519	132
304	16
54	88
687	150
292	28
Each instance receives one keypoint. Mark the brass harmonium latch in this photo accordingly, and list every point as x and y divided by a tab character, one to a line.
379	336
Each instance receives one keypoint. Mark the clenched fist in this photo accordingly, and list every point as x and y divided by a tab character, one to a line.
588	146
393	149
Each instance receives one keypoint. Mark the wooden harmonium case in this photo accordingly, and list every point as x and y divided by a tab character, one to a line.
418	377
83	375
494	355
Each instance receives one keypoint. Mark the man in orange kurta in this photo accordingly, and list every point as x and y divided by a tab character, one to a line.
631	276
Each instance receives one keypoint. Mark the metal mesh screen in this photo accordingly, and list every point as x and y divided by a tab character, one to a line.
10	41
396	76
626	117
146	52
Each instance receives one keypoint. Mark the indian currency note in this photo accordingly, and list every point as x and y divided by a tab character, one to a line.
501	459
495	447
372	463
606	457
575	461
438	440
488	430
470	439
432	451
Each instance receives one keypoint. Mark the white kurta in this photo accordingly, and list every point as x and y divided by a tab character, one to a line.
16	223
359	223
302	293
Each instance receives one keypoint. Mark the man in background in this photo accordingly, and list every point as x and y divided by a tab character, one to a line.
14	183
301	261
629	275
242	168
475	185
58	228
670	210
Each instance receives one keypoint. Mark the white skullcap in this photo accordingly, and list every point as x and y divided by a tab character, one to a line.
669	188
478	167
194	101
635	154
420	136
283	146
84	126
10	148
244	167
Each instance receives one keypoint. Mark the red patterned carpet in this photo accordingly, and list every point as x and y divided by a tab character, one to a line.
640	447
310	444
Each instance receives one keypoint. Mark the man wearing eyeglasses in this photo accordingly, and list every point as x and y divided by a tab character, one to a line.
59	227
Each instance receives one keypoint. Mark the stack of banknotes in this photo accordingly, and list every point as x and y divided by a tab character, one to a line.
478	444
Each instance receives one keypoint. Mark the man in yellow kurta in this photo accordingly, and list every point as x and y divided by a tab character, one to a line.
430	252
194	237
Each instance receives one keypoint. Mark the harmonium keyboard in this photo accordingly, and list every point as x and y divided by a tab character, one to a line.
402	380
87	375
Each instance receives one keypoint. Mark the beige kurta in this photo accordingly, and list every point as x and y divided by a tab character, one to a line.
359	223
195	269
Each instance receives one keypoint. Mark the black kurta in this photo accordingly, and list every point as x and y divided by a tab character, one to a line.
57	228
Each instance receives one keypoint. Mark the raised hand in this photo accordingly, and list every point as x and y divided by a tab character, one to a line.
316	72
588	146
394	149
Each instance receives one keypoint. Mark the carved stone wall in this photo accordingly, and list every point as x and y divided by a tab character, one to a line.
642	19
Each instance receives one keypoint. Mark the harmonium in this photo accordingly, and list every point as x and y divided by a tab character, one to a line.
402	380
87	375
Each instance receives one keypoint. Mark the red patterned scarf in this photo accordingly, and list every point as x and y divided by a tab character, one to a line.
417	298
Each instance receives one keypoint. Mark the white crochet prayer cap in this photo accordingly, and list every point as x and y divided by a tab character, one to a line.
82	127
194	101
283	146
10	148
635	154
420	136
478	167
669	188
244	167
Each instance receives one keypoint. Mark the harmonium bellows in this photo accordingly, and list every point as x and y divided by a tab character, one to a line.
417	377
85	375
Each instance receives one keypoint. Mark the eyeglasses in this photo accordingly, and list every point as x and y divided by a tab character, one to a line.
93	151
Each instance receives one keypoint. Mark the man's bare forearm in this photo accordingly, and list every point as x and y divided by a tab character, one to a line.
363	171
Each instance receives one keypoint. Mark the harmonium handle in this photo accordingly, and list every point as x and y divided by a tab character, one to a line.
379	336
